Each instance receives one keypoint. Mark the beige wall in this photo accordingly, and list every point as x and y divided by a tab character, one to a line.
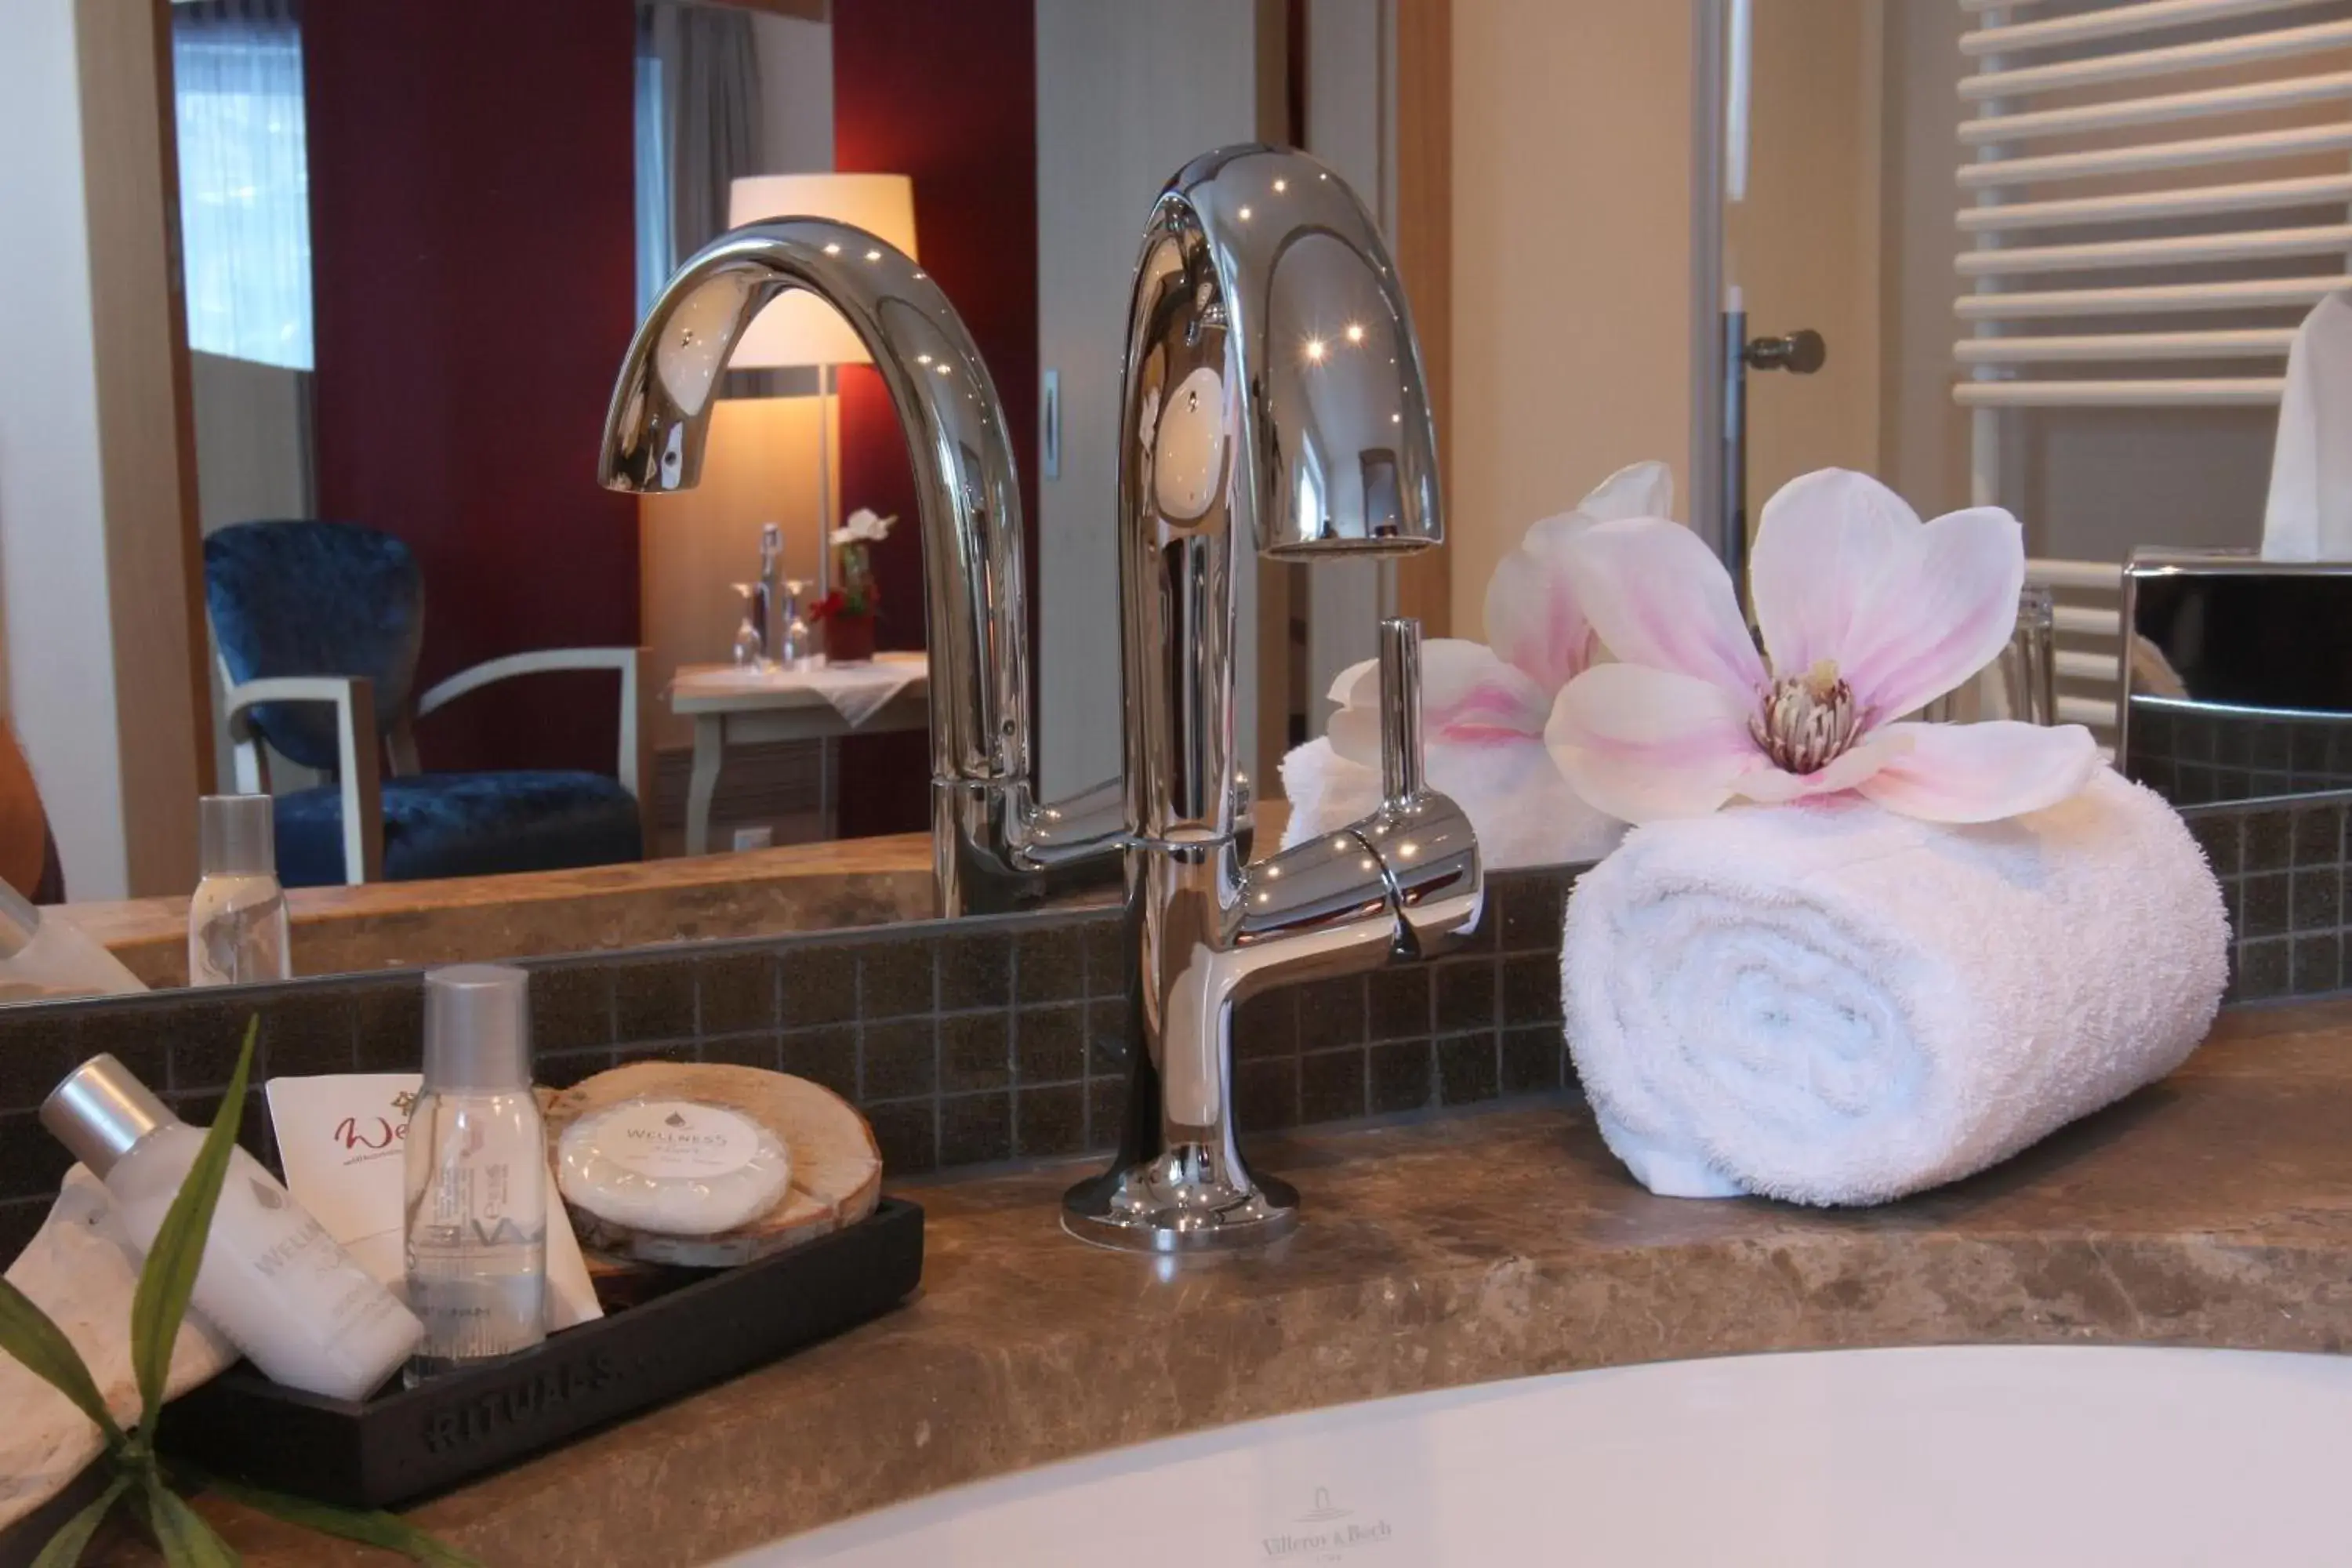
761	466
52	492
1571	262
97	520
253	441
1804	243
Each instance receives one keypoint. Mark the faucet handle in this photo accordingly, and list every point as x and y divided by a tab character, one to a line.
1426	845
1402	775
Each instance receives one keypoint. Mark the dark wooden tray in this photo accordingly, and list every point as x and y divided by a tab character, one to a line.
406	1442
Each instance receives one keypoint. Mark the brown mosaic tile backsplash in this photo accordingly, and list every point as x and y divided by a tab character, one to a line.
963	1043
988	1040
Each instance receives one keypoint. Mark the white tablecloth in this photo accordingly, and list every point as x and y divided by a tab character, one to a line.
856	691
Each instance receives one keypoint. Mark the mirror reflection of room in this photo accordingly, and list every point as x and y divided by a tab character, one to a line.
407	615
394	446
485	695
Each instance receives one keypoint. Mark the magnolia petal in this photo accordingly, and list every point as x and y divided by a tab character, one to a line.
1533	618
1657	596
1355	735
1941	609
1505	703
1467	696
1637	490
1769	785
1645	744
1984	773
1823	541
1343	685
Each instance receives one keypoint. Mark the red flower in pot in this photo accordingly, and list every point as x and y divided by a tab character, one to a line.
847	612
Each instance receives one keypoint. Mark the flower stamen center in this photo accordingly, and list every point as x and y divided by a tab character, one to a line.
1807	721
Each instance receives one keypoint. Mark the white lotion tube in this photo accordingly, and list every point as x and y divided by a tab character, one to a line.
282	1290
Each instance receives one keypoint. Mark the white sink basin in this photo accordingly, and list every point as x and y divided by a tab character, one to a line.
2055	1458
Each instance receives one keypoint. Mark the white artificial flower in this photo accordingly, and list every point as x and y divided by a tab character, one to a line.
864	527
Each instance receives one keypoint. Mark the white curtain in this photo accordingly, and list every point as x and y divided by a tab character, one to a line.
656	252
698	128
245	197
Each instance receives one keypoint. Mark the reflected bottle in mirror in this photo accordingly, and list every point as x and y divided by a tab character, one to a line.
238	928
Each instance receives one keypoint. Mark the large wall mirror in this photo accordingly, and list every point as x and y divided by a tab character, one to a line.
369	307
494	703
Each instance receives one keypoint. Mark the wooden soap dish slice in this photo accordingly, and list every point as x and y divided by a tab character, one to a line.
836	1168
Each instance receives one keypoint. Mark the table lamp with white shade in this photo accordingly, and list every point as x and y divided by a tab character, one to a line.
798	330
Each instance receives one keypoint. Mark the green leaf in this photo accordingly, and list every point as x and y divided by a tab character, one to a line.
66	1547
169	1276
27	1333
186	1540
370	1528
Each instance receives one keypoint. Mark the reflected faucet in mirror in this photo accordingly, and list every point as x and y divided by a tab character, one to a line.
1273	399
2238	678
995	846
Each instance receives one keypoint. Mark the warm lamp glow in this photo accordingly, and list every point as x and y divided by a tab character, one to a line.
799	328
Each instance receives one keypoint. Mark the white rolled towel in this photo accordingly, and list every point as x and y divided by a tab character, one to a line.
1832	1003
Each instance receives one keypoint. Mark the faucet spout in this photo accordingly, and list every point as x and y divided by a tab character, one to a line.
995	846
1274	400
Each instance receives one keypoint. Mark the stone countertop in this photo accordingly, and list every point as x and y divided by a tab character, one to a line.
830	886
2212	1210
529	914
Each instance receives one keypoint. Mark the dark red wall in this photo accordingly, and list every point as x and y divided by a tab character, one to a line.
472	222
945	91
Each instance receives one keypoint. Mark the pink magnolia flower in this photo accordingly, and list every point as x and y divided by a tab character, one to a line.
1866	615
1485	705
1539	636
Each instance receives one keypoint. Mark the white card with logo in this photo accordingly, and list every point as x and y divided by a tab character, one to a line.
341	1138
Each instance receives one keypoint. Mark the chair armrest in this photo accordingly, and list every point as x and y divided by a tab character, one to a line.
359	769
634	770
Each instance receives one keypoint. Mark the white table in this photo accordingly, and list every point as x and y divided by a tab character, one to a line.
728	703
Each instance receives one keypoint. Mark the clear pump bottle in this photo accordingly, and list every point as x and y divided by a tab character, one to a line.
237	920
477	1167
272	1279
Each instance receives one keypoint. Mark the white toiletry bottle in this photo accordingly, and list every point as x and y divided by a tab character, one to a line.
272	1279
237	920
45	958
477	1220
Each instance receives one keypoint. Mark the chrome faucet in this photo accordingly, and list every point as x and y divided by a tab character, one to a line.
995	846
1273	398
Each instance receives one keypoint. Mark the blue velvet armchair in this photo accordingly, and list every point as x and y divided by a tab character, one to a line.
319	626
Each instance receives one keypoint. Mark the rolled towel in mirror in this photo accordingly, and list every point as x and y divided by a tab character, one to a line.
1522	810
1832	1003
1483	723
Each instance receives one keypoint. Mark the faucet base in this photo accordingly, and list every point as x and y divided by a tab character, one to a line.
1180	1203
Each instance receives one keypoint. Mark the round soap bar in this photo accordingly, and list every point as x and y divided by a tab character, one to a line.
672	1167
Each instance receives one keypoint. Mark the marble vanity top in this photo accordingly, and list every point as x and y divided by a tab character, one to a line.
527	914
2212	1210
822	887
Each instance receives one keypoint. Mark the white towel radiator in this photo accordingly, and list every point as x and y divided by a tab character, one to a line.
2086	125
